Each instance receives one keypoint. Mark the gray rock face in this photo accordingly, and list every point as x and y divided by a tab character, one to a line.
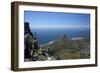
32	50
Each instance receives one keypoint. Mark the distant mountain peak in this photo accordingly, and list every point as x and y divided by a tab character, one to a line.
64	36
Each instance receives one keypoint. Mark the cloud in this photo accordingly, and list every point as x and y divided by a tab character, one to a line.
56	26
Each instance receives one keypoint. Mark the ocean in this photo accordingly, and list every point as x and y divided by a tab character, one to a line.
44	36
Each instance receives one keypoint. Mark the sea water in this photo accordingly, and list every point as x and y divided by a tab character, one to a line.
46	35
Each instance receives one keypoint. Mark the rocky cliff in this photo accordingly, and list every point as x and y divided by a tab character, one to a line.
32	50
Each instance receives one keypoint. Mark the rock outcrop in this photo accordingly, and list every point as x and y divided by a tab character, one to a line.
32	50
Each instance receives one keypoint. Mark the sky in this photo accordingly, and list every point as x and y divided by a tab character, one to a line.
50	20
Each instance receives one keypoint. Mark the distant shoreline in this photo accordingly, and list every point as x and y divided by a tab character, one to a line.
74	38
